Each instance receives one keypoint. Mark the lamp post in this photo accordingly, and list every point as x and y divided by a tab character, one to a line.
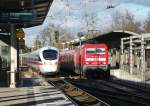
32	48
63	46
72	44
68	45
80	34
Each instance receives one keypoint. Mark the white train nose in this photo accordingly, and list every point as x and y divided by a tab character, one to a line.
49	69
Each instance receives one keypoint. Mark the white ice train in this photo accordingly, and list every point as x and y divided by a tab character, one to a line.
45	60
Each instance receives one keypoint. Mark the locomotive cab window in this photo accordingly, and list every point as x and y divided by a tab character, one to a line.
100	50
49	54
95	51
90	51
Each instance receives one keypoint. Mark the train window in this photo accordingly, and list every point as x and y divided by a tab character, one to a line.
49	54
90	51
95	51
100	51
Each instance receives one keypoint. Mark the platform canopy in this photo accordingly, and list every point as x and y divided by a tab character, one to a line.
24	13
112	39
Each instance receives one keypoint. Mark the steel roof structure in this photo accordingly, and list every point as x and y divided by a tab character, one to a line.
23	13
112	39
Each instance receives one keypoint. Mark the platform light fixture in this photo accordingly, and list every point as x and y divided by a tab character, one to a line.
22	3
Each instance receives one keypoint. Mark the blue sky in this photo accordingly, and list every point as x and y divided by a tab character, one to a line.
71	15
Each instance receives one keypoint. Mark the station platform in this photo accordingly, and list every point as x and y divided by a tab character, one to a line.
122	74
33	91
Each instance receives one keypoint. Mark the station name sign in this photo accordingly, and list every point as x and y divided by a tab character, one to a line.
18	16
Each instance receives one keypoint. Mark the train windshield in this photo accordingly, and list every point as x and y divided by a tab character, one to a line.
95	51
50	54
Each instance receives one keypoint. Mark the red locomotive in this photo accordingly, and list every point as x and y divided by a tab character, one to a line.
87	59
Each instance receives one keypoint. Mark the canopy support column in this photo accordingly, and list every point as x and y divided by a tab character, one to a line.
13	67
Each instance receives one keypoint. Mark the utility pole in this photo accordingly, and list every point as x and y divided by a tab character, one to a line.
57	36
80	34
86	16
67	10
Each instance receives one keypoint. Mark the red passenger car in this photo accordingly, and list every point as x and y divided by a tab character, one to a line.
91	57
66	61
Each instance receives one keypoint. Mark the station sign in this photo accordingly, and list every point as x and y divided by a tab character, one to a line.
18	16
20	33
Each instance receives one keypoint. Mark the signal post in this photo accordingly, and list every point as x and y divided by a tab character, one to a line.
21	42
17	37
13	49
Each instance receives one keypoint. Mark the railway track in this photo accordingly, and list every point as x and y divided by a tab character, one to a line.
77	95
127	87
139	85
93	92
115	95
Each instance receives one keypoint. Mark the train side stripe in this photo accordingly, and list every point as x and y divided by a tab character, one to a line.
36	62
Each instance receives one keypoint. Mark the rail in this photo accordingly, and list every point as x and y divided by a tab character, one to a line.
79	96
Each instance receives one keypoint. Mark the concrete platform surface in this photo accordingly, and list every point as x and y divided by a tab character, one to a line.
33	90
33	96
121	74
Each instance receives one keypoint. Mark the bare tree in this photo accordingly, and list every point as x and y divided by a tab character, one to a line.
90	18
52	35
125	22
46	35
147	24
37	42
26	49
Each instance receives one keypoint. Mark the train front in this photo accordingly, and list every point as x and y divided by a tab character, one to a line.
50	58
95	56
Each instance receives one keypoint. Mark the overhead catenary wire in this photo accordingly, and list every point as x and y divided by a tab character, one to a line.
87	20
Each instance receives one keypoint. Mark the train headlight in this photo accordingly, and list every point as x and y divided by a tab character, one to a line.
104	62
